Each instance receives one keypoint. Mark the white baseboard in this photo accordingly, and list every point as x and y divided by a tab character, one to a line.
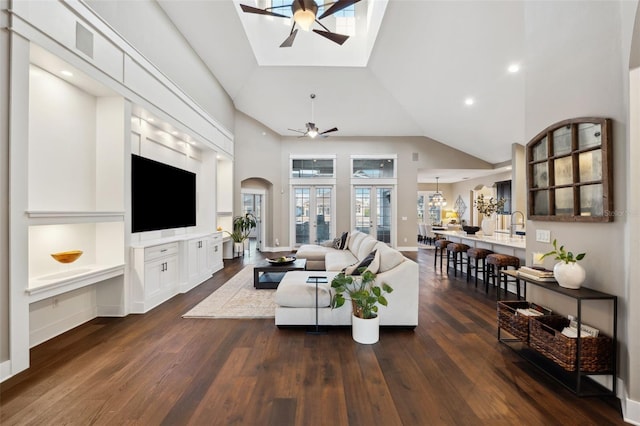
110	311
5	370
630	410
56	328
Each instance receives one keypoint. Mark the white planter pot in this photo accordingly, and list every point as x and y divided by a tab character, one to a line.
488	225
238	248
569	275
365	331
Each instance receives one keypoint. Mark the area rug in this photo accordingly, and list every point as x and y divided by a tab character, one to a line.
237	298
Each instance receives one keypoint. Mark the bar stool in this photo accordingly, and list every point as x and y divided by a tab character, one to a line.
456	249
497	262
478	254
442	246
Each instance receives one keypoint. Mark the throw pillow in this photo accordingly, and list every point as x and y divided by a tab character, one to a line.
374	266
329	243
355	268
343	241
337	243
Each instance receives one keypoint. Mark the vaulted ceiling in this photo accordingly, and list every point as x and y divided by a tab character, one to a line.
427	58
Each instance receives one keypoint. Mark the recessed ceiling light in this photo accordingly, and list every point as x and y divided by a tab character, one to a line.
514	68
66	73
469	101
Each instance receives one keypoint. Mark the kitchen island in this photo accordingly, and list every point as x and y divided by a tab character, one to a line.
498	243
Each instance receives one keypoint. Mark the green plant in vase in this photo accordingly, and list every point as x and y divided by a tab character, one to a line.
567	271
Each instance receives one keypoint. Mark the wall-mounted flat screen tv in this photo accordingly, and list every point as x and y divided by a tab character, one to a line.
162	196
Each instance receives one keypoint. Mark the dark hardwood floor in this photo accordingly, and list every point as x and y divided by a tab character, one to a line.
159	368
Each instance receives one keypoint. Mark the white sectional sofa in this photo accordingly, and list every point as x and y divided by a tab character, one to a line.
296	299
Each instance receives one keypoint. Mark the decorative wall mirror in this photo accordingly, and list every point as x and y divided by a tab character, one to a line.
569	172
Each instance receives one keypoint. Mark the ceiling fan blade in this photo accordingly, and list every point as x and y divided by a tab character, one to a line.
334	37
289	40
251	9
298	131
335	129
338	6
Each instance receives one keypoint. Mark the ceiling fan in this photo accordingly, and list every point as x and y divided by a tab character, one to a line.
310	128
304	15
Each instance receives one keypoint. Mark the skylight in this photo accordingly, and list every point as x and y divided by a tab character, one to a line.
360	21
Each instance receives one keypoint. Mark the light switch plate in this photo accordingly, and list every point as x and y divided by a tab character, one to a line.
543	236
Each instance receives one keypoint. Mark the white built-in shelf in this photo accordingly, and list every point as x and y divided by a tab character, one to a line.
64	281
48	217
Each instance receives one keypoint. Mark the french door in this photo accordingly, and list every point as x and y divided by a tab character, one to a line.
253	203
373	212
314	213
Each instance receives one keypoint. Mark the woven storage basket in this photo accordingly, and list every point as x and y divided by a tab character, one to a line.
545	336
509	320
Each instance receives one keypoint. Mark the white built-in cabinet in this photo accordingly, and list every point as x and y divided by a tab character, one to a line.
156	275
163	268
77	89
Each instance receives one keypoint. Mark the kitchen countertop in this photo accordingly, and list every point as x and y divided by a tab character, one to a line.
517	242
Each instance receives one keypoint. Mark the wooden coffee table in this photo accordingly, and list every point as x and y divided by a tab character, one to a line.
268	275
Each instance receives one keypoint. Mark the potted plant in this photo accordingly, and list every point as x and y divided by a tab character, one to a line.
365	297
488	207
567	271
242	227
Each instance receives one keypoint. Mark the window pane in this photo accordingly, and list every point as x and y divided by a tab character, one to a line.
590	164
591	200
541	203
311	168
383	226
363	209
589	134
373	168
323	213
563	171
564	202
562	141
539	151
302	199
420	208
540	175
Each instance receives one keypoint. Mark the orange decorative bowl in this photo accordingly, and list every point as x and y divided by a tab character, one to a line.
67	256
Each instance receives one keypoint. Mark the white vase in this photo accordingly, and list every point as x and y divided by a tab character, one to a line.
365	331
238	248
569	275
488	225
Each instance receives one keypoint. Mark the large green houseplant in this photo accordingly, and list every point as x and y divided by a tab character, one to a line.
365	297
242	227
361	291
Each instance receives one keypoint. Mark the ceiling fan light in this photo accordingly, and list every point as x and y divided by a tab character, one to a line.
304	18
313	133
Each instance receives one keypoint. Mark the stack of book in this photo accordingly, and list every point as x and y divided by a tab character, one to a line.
537	273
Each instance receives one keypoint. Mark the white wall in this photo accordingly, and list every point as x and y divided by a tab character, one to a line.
4	186
581	43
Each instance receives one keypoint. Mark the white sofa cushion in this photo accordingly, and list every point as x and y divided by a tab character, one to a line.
337	260
389	257
294	291
366	246
355	239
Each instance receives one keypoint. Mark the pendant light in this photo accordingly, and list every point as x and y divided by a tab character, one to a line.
437	199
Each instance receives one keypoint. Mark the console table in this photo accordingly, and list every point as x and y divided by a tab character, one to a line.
577	381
